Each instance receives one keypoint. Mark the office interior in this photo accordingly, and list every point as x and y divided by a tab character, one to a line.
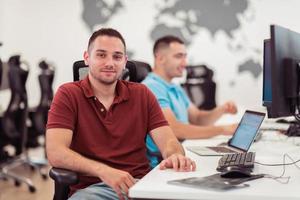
225	35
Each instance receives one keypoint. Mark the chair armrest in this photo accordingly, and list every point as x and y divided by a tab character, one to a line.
63	176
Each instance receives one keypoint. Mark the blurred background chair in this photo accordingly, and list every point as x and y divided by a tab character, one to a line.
0	72
3	153
200	86
14	127
80	70
135	71
38	115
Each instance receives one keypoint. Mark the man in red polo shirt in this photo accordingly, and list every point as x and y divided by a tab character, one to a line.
97	126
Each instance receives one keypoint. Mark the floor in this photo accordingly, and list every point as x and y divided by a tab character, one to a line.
44	188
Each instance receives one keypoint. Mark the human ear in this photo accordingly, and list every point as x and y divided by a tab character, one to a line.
86	57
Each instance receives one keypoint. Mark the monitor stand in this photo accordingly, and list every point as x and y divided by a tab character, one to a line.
294	129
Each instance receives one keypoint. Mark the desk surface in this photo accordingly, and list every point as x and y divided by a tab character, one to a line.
270	149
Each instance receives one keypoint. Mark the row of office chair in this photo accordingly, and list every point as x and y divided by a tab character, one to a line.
136	71
14	130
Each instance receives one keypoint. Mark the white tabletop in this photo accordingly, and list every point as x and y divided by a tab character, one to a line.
270	149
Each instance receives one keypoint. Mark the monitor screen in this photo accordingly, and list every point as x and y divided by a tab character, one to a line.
267	77
280	84
247	130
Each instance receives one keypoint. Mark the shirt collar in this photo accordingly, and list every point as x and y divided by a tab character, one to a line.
162	81
122	90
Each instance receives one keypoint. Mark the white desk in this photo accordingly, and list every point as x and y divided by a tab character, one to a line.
269	149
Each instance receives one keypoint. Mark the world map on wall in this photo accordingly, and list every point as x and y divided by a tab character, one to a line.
190	17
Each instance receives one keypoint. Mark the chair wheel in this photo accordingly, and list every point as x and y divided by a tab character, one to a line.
32	168
17	183
31	189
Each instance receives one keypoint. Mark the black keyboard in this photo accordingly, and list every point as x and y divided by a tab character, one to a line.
241	160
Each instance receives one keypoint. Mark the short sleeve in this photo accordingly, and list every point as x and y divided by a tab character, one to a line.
62	113
159	92
155	116
186	99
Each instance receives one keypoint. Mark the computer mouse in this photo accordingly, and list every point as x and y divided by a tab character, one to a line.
235	172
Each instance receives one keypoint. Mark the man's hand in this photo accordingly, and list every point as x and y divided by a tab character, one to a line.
229	107
229	129
120	181
179	163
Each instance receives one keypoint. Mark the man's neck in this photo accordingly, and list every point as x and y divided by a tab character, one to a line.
159	72
105	93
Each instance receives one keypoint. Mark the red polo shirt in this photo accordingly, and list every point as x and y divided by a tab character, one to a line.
116	136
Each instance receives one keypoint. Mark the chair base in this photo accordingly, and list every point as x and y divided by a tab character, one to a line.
22	160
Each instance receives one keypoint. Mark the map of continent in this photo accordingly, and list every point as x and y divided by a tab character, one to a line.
183	18
99	12
213	15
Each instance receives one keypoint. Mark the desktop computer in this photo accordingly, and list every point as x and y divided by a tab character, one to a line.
281	71
281	87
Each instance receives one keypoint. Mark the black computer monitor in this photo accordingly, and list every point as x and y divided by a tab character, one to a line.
281	72
267	76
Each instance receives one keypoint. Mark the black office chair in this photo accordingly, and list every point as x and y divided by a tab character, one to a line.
1	72
200	86
38	115
80	70
14	124
3	153
14	118
135	71
46	81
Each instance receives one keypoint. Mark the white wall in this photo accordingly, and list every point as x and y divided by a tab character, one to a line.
37	30
54	30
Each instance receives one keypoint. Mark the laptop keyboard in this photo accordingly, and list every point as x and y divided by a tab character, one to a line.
222	150
241	160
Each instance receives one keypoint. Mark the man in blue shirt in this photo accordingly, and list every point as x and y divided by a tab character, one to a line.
186	120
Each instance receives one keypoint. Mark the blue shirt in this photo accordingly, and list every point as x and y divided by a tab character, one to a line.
171	96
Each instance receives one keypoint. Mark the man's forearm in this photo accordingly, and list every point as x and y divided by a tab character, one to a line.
69	159
188	131
173	147
209	117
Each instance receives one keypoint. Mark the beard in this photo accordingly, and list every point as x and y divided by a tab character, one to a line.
106	80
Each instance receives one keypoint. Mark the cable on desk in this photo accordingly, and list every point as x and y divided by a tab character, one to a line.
284	164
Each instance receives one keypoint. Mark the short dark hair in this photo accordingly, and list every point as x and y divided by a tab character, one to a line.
106	32
165	41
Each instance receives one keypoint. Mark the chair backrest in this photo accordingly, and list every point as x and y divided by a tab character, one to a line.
80	70
46	80
138	70
15	116
200	86
135	71
1	69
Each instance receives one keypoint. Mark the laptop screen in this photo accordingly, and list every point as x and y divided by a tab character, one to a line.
247	130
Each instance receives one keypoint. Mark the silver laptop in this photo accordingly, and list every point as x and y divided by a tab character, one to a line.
241	140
